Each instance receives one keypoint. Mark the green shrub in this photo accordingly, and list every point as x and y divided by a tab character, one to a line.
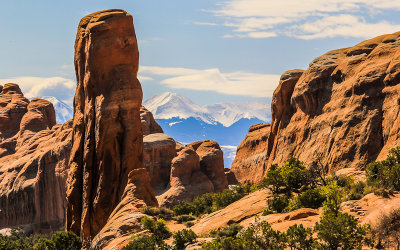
230	231
387	230
189	224
386	173
294	204
278	203
144	242
341	231
184	207
181	238
227	197
66	240
298	237
156	227
162	212
288	178
184	218
229	243
311	198
333	197
44	244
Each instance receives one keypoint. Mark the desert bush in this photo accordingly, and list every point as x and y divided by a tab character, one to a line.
341	231
156	227
66	240
146	242
278	203
230	231
162	212
184	207
385	174
288	178
44	244
189	224
211	202
311	198
181	238
387	230
184	218
298	237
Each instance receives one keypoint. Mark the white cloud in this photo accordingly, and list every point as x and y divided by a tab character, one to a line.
233	83
258	18
342	25
206	23
59	87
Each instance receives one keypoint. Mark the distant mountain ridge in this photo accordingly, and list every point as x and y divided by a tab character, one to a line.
172	105
226	123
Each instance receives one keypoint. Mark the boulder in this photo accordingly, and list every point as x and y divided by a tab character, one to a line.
211	163
107	132
186	180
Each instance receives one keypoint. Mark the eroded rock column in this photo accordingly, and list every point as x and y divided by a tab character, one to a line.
107	134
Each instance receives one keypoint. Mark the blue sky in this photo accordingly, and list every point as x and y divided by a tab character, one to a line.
210	51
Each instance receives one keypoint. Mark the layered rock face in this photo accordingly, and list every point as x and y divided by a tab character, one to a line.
158	151
33	163
343	110
149	124
197	169
251	157
107	133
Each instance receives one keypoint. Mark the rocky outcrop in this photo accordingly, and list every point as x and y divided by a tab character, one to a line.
33	163
127	215
158	152
13	106
343	110
211	162
149	124
197	169
251	156
186	180
107	132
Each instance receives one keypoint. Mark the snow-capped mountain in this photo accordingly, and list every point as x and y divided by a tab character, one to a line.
226	123
64	112
171	105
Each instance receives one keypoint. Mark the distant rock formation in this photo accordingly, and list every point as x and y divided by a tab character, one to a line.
158	152
342	111
197	169
107	131
149	125
33	163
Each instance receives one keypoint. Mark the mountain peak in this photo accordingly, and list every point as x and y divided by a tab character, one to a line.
172	105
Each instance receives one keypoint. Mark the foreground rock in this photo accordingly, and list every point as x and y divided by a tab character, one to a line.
248	207
107	131
343	111
34	157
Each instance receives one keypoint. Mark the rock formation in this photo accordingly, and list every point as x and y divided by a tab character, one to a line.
158	152
33	163
186	181
107	134
211	162
149	124
197	169
343	110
